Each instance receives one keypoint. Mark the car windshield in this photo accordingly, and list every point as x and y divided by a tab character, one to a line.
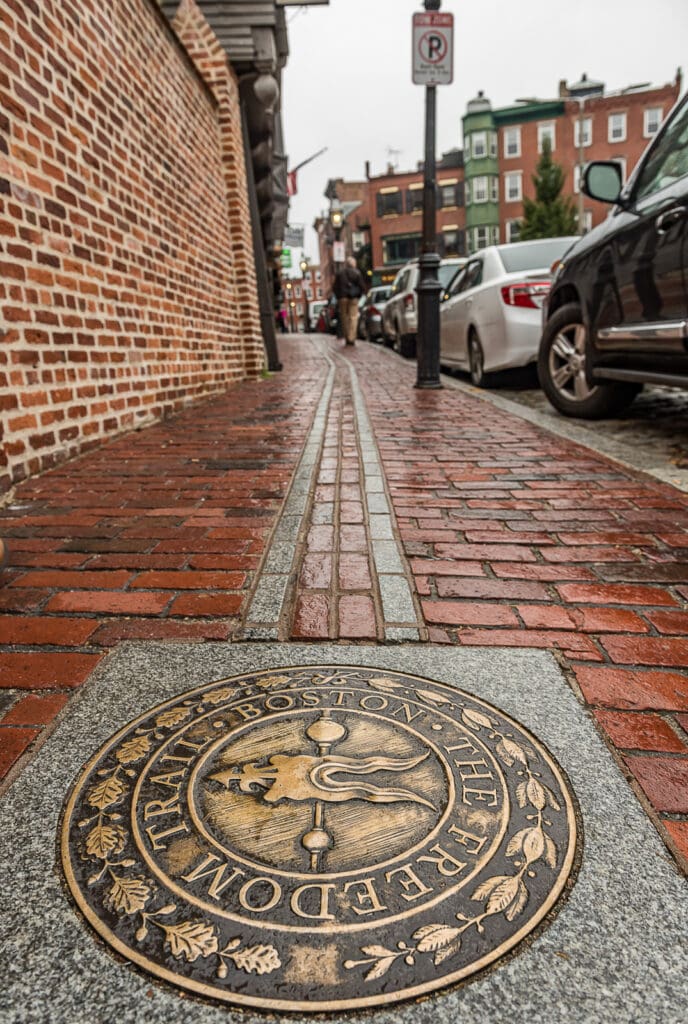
381	294
533	255
447	271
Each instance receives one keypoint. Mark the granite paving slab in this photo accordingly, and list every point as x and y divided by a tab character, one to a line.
616	949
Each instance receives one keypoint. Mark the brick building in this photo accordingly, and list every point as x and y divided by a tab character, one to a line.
128	284
502	147
480	189
299	292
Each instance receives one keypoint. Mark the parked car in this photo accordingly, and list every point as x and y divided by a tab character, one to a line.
490	316
617	314
371	310
328	318
400	315
314	309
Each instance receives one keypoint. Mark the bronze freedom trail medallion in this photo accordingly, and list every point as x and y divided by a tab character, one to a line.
318	838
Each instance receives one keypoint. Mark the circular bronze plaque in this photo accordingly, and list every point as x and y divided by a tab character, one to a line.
318	838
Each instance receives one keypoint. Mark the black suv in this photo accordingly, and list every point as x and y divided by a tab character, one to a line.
617	313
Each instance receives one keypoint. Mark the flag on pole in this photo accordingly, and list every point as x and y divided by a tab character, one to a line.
291	183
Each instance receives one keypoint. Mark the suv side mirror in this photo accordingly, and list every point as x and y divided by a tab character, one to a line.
602	180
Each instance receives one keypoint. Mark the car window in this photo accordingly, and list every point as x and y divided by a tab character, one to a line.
474	275
668	161
533	255
456	284
446	272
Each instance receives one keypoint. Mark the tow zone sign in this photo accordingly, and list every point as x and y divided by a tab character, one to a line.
433	48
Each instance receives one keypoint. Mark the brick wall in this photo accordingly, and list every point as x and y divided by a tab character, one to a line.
127	285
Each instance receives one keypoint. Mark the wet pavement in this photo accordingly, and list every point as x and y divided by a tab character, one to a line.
336	510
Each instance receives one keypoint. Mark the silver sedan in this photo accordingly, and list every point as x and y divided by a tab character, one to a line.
490	317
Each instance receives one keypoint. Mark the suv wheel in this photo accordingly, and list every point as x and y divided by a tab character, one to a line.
561	369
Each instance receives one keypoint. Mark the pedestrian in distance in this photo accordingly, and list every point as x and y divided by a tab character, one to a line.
348	287
282	320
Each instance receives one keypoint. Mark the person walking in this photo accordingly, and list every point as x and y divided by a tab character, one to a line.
348	287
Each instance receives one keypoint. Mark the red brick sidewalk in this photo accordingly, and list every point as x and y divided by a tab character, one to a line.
515	538
156	535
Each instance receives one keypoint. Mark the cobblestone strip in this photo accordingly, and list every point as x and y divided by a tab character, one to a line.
401	621
268	601
352	582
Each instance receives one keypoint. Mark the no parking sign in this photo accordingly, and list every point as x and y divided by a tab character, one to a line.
433	48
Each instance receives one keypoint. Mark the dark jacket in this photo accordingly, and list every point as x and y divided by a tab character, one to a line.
348	283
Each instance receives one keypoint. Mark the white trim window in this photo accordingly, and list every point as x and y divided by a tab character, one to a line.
512	142
318	292
482	237
652	119
513	187
495	234
467	193
616	127
494	188
297	291
480	194
547	130
513	230
479	145
493	144
582	126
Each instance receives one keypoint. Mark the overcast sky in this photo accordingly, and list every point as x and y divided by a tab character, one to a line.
347	84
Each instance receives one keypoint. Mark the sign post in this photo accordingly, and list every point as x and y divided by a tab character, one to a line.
433	55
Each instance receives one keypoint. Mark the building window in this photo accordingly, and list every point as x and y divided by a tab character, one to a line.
389	202
495	234
467	193
481	237
299	309
400	248
453	242
308	294
513	192
479	145
617	128
494	189
449	194
480	189
414	199
546	130
582	132
318	276
493	144
297	291
512	142
513	230
652	119
318	293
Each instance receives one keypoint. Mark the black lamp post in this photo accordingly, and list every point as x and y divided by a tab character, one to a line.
429	287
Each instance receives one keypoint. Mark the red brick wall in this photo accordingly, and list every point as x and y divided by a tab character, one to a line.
127	287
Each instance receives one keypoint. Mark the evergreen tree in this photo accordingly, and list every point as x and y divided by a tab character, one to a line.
550	214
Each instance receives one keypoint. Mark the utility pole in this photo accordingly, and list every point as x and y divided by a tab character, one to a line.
432	59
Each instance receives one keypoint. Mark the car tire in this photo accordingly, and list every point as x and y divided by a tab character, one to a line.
561	370
407	346
476	361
